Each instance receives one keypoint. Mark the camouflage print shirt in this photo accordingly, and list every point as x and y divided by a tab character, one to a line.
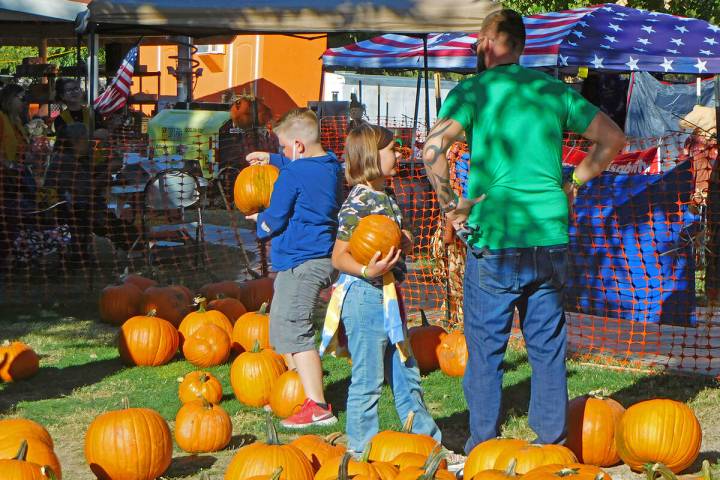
363	201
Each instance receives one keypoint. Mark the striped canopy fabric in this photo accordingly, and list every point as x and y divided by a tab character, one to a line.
603	37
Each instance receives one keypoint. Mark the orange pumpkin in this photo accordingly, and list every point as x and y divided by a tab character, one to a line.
252	375
387	445
200	385
263	458
139	281
343	466
253	188
452	354
573	471
249	328
529	457
225	289
254	293
428	471
185	292
318	450
19	468
128	444
194	320
120	302
658	431
148	341
232	308
592	421
38	452
287	395
409	459
17	362
374	233
485	455
202	427
493	474
208	346
276	475
22	428
168	302
425	341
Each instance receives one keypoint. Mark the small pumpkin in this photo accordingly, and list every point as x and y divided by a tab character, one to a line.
253	188
208	346
232	308
128	444
200	385
19	468
592	421
249	328
374	233
387	445
452	354
148	341
169	303
263	458
22	428
318	450
202	427
287	395
532	456
120	302
38	452
343	466
17	361
252	375
256	292
225	289
573	471
425	341
658	431
194	320
485	455
139	281
428	471
493	474
409	459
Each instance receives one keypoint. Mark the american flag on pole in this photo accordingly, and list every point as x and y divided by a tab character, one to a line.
116	94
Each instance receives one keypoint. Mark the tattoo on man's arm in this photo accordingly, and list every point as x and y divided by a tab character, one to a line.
435	160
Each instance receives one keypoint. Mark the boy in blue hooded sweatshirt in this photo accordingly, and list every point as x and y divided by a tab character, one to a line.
302	223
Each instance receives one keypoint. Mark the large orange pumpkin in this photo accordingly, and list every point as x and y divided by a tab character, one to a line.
19	468
533	456
128	444
452	354
253	188
342	466
658	431
485	455
263	458
38	452
276	475
202	427
120	302
573	471
592	421
17	362
227	288
253	374
493	474
409	459
148	341
139	281
249	328
169	303
232	308
22	428
287	394
430	470
425	341
208	346
318	450
194	320
387	445
200	385
374	233
254	293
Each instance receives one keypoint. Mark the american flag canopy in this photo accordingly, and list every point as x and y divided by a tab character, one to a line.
603	37
116	94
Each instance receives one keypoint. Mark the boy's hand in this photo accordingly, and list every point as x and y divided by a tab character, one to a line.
258	158
252	217
378	266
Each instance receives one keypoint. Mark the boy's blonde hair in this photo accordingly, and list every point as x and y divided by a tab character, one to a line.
362	152
301	123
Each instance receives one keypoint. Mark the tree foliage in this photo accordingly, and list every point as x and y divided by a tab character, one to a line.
11	57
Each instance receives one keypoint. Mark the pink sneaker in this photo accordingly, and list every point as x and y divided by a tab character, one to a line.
309	415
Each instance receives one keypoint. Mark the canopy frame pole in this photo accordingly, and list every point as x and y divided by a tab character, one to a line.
93	75
415	122
427	84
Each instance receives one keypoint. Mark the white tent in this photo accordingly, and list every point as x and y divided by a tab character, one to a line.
26	22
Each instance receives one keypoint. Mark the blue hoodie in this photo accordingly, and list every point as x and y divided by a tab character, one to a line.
302	216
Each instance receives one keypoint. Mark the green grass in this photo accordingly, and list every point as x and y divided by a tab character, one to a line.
82	376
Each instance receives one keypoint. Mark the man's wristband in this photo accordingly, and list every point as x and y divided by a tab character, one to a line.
363	271
577	183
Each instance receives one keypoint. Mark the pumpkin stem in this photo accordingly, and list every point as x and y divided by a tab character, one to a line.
22	451
423	318
600	394
276	474
343	473
407	426
366	453
271	431
510	470
333	438
48	472
204	377
151	313
432	464
256	347
201	303
599	476
206	405
263	308
658	469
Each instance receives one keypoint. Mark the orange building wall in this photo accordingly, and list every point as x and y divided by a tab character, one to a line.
288	70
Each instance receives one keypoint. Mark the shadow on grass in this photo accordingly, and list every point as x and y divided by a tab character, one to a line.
682	388
337	393
189	465
53	382
241	440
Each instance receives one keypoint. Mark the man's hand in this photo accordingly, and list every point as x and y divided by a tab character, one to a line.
378	266
459	215
571	191
252	217
258	158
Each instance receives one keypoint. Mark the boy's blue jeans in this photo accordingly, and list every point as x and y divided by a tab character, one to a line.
497	281
373	360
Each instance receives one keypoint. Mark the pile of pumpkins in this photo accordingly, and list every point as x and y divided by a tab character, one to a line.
434	348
